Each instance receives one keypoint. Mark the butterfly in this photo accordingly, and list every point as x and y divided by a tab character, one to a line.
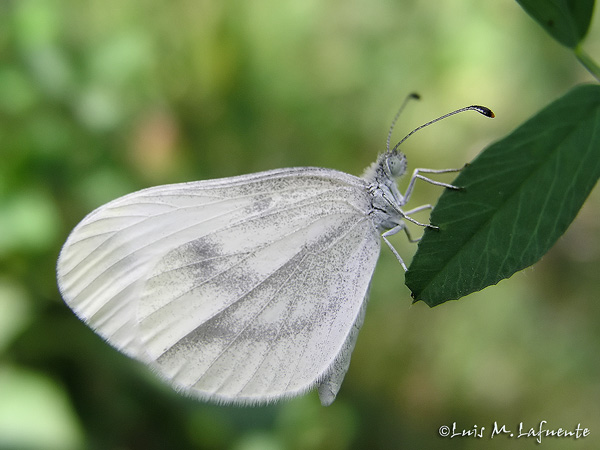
241	290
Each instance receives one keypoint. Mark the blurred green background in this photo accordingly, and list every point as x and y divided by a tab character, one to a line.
101	98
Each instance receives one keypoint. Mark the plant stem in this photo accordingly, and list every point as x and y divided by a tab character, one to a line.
587	62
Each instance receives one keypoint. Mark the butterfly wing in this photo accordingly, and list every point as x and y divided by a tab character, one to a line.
244	289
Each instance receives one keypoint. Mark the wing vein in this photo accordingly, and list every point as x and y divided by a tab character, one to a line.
224	271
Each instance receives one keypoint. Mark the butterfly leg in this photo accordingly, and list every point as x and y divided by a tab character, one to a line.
410	219
409	237
417	175
417	209
391	232
412	211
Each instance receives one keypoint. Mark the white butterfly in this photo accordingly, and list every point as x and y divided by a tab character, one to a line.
240	290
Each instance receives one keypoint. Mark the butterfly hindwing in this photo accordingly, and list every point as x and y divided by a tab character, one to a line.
239	290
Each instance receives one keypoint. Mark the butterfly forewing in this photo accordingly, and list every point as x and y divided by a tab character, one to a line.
242	289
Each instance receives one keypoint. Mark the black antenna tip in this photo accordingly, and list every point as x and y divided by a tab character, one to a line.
485	111
414	95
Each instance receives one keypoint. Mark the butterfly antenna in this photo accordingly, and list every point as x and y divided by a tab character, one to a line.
411	96
480	109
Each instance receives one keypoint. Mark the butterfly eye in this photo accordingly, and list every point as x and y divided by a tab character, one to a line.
396	163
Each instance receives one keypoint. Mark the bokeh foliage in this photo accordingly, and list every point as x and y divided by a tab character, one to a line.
100	98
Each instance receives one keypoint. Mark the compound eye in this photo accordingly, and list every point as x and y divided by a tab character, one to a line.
396	164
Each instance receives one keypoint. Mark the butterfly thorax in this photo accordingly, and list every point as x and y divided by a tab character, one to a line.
386	199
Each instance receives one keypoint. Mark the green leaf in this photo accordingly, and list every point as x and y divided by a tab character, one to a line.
567	21
519	197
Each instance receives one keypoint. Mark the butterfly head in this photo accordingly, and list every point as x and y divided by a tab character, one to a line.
394	163
389	166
